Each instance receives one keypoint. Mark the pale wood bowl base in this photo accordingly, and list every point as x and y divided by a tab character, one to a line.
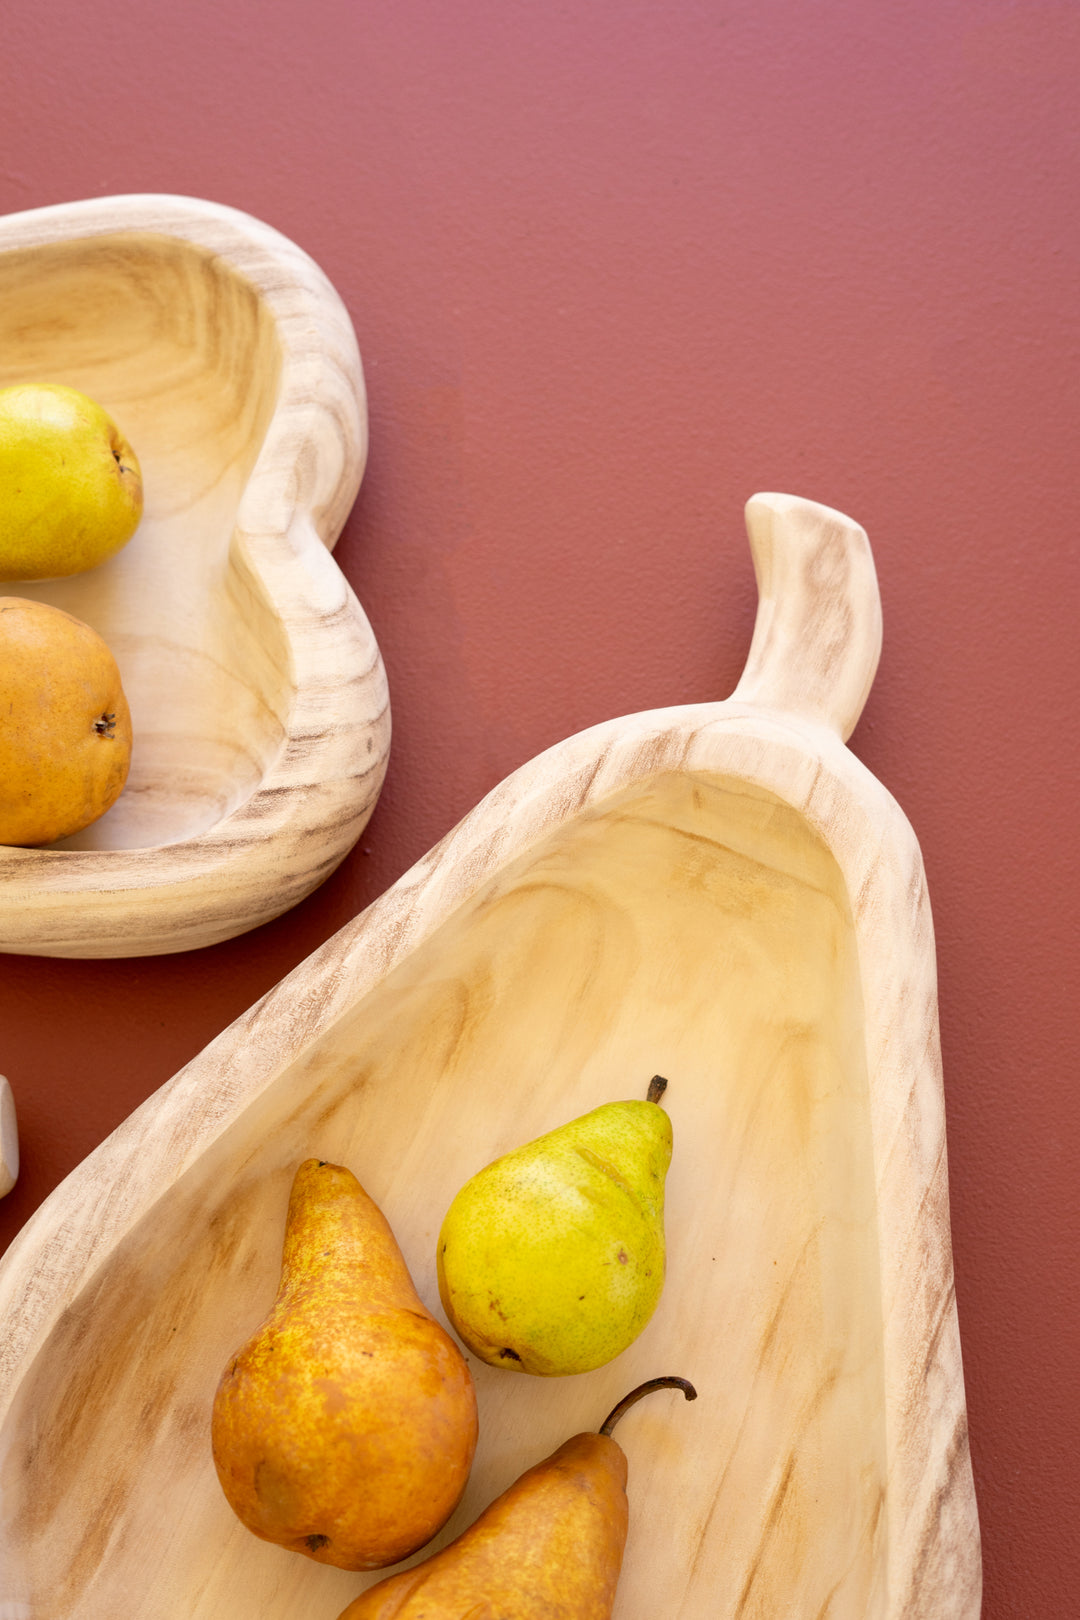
183	355
695	928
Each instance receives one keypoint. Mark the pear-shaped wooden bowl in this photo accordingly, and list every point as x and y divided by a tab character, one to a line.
257	692
720	893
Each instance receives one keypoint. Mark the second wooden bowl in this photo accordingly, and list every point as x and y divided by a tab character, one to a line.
719	893
256	686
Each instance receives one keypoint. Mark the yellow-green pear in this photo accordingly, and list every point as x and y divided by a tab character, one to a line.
345	1427
71	490
550	1548
551	1259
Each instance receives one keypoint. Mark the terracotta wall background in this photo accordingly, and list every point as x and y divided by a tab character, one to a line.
613	268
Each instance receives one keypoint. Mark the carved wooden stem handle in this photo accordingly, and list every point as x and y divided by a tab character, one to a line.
817	636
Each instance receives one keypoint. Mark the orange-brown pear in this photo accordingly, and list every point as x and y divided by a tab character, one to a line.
550	1548
345	1427
65	725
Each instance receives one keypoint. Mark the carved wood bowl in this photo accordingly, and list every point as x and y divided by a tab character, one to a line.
256	687
719	893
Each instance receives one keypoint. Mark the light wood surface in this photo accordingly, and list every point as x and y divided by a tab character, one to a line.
720	893
256	687
9	1139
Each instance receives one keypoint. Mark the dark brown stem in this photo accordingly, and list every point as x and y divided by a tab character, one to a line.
657	1087
646	1389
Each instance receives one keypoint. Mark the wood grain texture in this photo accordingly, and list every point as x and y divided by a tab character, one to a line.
720	893
9	1139
257	690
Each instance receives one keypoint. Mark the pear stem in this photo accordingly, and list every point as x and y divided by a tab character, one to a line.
657	1087
645	1389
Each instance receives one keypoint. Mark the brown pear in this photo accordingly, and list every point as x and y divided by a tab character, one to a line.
345	1427
550	1548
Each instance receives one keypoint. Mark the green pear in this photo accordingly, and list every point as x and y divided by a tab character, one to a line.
71	490
551	1259
550	1548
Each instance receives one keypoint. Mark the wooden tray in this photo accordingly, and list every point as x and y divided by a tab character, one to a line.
721	893
257	692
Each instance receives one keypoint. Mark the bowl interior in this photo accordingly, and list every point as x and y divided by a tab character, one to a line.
184	355
692	926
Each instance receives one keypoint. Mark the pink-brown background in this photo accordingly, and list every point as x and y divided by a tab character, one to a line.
614	266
